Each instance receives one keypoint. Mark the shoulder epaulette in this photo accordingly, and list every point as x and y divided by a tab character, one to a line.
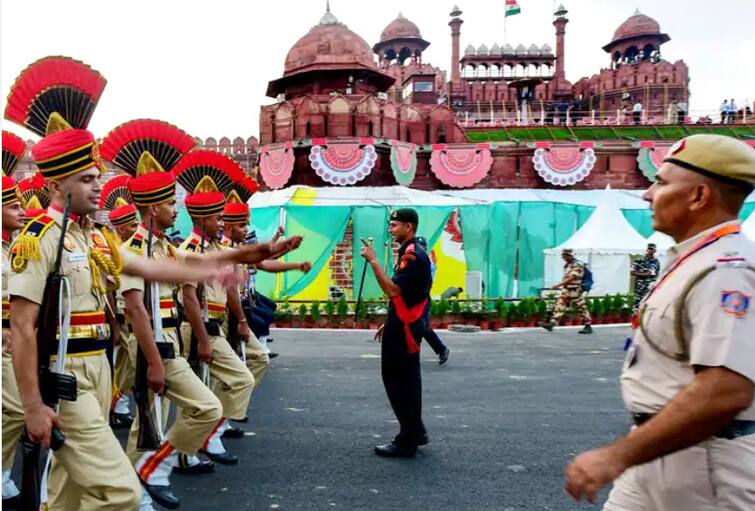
26	245
136	243
98	239
411	248
192	244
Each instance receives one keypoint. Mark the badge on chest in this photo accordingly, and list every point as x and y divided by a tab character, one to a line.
76	257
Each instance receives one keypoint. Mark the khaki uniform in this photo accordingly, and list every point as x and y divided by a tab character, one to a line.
718	326
573	294
124	365
13	412
230	379
198	408
90	471
257	359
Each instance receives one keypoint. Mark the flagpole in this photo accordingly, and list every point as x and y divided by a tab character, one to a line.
505	40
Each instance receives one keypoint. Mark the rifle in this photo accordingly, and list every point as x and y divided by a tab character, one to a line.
233	333
150	437
367	243
53	385
199	367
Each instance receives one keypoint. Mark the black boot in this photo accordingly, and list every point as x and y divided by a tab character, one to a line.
395	451
587	329
183	467
162	495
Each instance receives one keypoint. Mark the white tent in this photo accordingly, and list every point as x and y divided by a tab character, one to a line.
748	226
606	242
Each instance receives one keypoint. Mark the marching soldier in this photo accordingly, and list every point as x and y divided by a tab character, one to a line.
13	416
90	469
117	201
409	292
34	196
235	231
572	292
689	375
209	176
645	271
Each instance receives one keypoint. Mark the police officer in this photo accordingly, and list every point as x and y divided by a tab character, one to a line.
645	271
408	292
430	335
572	292
689	375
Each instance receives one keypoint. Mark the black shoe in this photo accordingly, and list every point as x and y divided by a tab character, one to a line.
548	325
162	495
120	420
395	451
12	502
444	356
423	440
586	330
222	458
183	467
233	433
272	355
270	339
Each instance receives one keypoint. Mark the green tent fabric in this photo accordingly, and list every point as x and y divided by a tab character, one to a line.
747	209
322	228
370	222
183	223
502	249
265	222
432	221
476	230
640	219
537	232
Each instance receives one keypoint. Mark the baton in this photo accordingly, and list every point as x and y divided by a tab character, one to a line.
367	243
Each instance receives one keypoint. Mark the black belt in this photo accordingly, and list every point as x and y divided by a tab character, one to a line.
166	322
734	429
6	323
85	345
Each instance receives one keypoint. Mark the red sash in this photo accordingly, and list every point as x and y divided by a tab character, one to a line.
408	316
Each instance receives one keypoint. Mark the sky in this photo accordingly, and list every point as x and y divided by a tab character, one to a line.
205	65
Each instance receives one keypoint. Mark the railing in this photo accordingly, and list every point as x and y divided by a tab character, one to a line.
483	115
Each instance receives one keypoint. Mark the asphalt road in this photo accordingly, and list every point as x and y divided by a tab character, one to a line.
504	416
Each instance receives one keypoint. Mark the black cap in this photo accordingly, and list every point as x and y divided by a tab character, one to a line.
422	241
651	245
406	215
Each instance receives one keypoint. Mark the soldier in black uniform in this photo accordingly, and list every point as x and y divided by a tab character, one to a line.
402	332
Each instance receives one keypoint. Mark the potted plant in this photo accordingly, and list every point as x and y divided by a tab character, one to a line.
303	314
455	312
342	309
283	315
314	312
360	315
440	312
330	311
541	310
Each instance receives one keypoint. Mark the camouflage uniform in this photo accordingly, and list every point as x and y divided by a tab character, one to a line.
572	293
642	284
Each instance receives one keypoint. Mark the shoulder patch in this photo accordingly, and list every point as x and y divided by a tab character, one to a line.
26	246
735	303
136	243
411	248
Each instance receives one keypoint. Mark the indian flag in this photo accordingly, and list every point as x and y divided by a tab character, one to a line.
512	8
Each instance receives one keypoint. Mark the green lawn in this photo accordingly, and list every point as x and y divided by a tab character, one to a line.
664	132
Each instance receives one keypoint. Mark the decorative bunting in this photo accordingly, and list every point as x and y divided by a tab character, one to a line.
277	164
343	164
564	165
650	157
461	167
403	162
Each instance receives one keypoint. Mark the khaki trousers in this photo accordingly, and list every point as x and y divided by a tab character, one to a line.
230	379
13	413
198	408
716	475
125	364
257	360
91	471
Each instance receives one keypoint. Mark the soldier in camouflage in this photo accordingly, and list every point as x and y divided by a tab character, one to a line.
572	292
645	271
